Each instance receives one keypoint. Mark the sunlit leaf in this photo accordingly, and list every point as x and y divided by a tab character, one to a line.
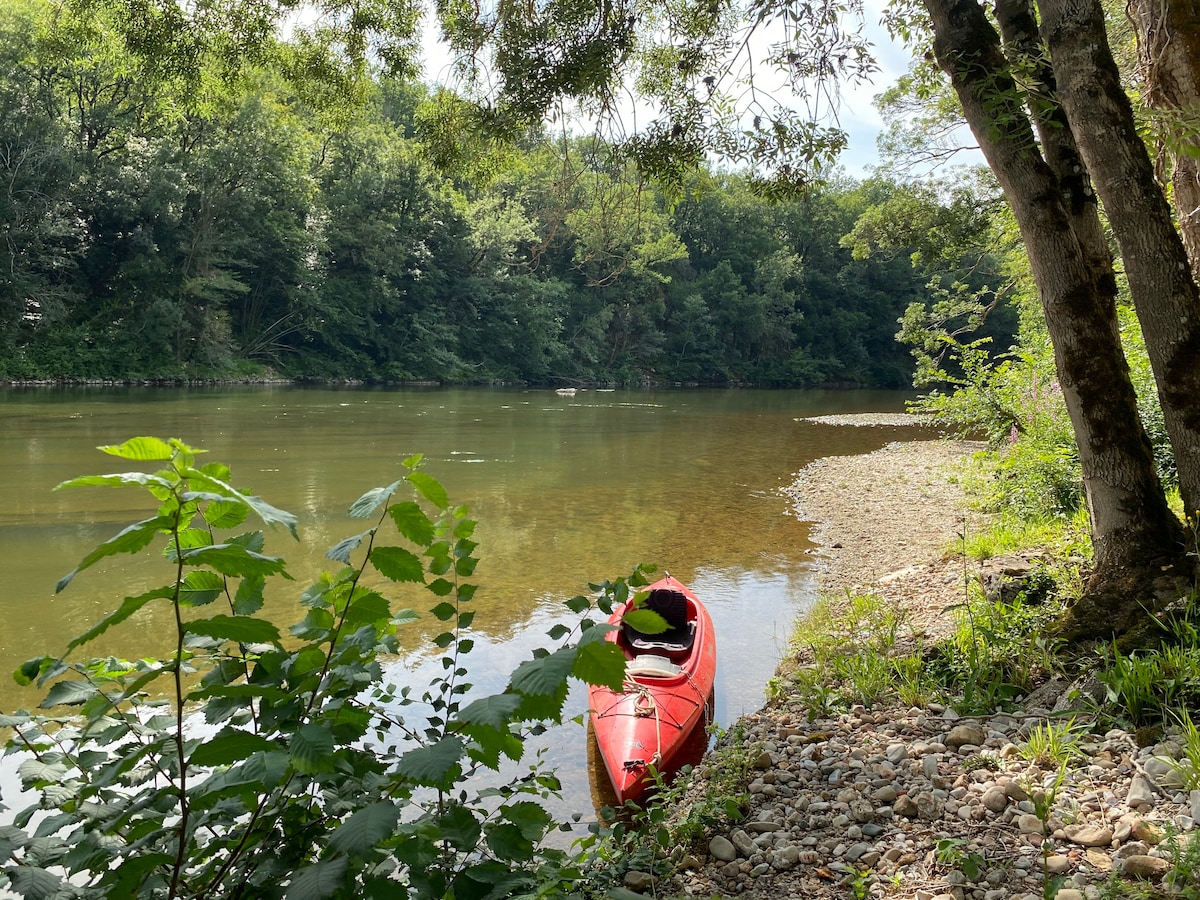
545	675
600	662
367	609
646	621
201	587
398	564
269	514
429	488
340	552
142	449
240	629
225	513
412	522
367	505
139	478
230	559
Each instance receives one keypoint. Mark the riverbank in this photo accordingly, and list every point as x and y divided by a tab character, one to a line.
918	802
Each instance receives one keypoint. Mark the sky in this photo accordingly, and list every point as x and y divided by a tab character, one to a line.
858	115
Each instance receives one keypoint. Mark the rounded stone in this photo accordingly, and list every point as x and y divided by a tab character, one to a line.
722	848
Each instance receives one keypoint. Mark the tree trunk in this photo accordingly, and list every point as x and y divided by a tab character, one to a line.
1156	264
1026	53
1169	56
1134	532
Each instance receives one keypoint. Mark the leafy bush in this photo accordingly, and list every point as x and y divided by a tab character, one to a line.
282	765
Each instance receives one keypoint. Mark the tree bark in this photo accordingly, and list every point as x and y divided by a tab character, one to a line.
1160	279
1134	532
1169	56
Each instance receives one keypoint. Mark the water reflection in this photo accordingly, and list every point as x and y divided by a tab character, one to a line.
566	490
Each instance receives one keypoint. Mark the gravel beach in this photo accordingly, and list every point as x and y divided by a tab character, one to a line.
922	803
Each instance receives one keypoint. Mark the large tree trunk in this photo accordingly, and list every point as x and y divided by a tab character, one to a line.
1134	532
1156	264
1169	56
1026	53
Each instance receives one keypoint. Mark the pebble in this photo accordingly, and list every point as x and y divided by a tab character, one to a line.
912	796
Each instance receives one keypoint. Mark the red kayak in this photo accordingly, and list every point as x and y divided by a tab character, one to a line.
668	681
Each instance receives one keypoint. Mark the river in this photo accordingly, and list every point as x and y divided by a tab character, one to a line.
566	489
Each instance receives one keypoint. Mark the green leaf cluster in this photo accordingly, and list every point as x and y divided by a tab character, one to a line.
256	762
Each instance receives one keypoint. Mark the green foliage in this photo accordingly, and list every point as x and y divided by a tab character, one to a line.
301	216
1053	743
857	651
247	762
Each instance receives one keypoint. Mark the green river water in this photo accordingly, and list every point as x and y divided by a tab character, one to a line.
566	490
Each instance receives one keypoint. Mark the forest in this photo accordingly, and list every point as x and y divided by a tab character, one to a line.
157	226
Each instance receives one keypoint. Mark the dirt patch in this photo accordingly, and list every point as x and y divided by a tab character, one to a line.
887	523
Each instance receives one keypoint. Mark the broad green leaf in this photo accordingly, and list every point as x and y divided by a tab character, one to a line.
528	816
495	710
31	669
340	552
230	559
310	659
367	609
459	827
600	662
646	621
132	870
579	605
545	675
366	828
264	510
201	587
225	513
366	505
249	597
68	693
444	612
405	617
241	629
412	522
34	883
228	746
507	842
542	707
491	742
139	478
398	564
128	607
130	539
312	749
432	766
429	488
141	449
324	878
440	587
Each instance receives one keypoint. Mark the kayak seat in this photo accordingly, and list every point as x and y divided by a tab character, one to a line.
677	640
